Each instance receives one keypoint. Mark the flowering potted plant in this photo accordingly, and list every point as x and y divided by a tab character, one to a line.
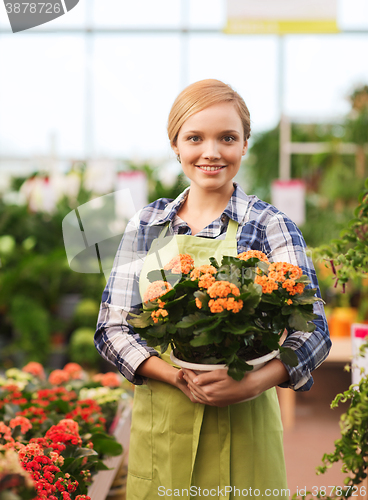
228	313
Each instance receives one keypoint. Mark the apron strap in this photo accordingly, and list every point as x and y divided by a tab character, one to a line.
231	231
164	230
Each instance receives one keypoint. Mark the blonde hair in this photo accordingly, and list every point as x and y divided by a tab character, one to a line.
201	95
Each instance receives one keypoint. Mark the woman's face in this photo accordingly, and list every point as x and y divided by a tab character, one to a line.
211	144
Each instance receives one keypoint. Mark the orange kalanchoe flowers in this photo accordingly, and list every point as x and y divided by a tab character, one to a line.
268	285
200	270
156	314
206	280
204	274
156	289
219	292
180	264
223	289
218	305
251	254
278	271
281	272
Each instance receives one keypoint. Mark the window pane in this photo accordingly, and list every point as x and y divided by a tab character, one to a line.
136	80
146	13
321	72
41	93
248	64
206	13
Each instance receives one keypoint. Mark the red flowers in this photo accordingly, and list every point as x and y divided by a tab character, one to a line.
60	430
109	379
71	371
66	431
58	377
35	369
24	423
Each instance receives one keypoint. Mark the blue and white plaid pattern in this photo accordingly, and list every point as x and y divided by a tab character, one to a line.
261	227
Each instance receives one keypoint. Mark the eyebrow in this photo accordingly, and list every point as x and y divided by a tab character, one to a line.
222	132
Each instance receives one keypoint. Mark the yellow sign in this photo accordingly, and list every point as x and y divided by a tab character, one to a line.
281	16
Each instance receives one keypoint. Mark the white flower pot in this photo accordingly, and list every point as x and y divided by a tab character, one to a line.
198	368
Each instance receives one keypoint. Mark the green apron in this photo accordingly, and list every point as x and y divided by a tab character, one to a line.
187	450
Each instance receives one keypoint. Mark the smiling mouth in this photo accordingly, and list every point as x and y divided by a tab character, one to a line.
210	167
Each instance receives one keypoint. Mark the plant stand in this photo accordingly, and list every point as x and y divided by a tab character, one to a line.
103	480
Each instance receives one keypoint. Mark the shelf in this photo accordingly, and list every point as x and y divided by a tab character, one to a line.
103	480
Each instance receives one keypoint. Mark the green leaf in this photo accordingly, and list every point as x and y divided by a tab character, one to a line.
171	328
208	327
10	411
59	404
85	452
107	446
301	320
237	329
202	296
193	319
157	330
238	368
140	320
214	262
206	338
229	259
303	279
271	299
168	295
263	266
288	356
99	465
172	303
251	297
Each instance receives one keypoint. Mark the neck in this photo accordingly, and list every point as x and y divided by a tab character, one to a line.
208	202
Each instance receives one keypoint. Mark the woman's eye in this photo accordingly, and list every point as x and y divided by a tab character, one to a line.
193	138
229	138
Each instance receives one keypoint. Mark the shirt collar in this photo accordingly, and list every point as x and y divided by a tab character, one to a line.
235	209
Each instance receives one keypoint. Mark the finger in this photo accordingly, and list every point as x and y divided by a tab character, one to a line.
189	373
197	392
208	377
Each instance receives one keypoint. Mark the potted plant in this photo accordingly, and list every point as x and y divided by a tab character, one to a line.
225	314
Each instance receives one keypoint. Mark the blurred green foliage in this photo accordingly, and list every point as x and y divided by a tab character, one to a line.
35	276
332	181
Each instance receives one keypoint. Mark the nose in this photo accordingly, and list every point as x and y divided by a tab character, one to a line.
211	150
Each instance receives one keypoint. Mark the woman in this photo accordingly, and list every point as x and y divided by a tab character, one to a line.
191	433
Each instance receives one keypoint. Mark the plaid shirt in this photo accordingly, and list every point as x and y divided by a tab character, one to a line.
261	226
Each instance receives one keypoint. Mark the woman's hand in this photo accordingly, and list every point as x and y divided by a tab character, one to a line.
181	384
217	388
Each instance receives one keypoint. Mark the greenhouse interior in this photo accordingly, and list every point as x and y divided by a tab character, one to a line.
85	147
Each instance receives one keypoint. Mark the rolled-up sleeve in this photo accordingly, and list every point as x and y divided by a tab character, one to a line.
284	242
115	339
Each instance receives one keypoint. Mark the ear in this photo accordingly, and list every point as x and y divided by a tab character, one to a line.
245	147
175	148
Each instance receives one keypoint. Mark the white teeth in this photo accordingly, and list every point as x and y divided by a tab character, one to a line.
211	168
